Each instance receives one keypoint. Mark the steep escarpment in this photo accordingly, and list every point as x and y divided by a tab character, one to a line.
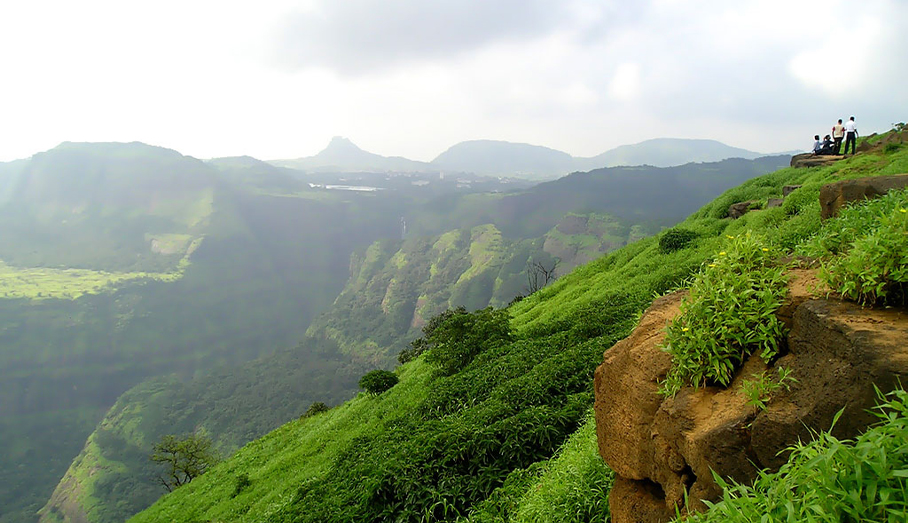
396	286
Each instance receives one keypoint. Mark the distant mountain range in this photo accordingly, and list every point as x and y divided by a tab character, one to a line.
519	160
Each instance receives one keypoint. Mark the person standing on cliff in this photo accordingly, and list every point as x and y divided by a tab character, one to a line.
838	132
851	135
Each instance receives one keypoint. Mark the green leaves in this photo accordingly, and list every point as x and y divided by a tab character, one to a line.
728	315
377	381
760	389
460	336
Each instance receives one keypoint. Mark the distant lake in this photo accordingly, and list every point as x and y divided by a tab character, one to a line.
363	188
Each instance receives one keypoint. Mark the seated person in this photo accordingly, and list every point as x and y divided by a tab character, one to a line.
816	144
828	146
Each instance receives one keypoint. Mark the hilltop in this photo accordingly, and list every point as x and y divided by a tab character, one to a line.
502	430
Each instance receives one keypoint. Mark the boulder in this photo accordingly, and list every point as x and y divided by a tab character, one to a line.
814	160
774	202
788	189
836	195
664	450
737	210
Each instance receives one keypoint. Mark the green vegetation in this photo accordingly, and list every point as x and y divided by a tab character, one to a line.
377	381
865	251
183	458
572	487
47	283
830	480
453	342
675	238
760	389
316	408
728	315
507	437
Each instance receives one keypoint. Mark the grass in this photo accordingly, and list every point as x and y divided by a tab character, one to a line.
48	283
272	464
572	487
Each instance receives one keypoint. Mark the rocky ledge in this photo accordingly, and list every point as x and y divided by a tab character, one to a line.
664	450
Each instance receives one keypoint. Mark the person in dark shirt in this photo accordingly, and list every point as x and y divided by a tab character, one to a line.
828	146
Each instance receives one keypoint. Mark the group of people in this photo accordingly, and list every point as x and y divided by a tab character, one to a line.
831	144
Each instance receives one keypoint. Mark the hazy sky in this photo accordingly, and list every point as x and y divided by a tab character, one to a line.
278	79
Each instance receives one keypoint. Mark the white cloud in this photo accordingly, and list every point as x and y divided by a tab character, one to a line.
401	77
625	84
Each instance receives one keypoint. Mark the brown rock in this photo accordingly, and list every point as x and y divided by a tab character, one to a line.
664	450
737	210
627	386
774	202
788	189
838	352
834	196
631	501
814	160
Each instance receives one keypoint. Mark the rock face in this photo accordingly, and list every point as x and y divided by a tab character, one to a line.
664	449
834	196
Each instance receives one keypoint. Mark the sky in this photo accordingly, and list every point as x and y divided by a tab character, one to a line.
277	79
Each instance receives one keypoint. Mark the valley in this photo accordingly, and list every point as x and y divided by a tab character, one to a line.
184	294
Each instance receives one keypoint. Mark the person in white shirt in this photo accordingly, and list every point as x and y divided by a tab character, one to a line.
816	144
851	135
838	133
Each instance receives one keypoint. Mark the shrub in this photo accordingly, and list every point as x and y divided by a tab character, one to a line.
875	269
317	408
759	390
729	314
675	239
459	336
377	381
865	250
241	481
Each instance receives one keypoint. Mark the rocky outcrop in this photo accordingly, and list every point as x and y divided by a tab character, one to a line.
814	160
664	450
836	195
737	210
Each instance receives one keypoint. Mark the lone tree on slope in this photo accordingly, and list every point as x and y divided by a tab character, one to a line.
185	458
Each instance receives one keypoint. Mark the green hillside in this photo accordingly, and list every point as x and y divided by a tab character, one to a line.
394	287
495	431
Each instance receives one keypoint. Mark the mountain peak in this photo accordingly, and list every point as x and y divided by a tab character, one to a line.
341	144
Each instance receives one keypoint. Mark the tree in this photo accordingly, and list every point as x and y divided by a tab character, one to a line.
539	275
185	458
378	381
316	408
